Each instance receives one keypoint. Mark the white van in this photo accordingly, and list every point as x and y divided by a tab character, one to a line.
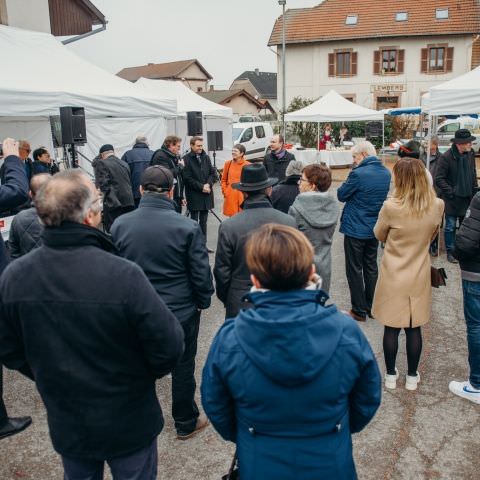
446	130
254	136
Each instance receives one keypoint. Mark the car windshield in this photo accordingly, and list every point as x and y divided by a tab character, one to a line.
236	133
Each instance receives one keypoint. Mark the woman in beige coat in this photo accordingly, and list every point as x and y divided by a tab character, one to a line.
407	223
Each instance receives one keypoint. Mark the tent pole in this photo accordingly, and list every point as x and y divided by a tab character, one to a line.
318	135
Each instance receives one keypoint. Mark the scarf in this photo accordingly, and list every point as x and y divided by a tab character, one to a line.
463	186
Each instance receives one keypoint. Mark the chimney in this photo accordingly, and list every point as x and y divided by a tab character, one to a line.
257	72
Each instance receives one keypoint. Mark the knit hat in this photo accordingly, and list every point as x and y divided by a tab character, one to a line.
295	167
106	148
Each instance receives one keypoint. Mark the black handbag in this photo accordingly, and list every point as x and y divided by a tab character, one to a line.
438	276
233	472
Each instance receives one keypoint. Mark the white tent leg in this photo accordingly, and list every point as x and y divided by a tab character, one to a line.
318	135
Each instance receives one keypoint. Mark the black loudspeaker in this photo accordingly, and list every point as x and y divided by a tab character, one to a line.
74	129
194	124
215	141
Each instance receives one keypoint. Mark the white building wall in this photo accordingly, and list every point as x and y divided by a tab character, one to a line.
307	69
29	15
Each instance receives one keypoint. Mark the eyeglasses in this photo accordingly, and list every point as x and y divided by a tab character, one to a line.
302	180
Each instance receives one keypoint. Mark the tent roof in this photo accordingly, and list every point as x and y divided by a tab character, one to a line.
187	100
43	75
332	107
460	95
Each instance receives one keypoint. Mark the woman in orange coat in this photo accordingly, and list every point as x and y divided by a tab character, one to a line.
232	171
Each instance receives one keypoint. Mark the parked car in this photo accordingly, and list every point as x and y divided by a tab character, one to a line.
446	131
255	136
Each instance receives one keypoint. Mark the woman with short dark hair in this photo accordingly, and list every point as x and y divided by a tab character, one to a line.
232	171
290	380
316	213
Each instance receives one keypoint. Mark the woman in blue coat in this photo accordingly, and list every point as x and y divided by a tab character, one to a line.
290	380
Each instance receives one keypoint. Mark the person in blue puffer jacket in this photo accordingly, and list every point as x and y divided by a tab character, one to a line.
291	379
363	193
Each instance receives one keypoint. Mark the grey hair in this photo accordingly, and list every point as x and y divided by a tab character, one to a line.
65	197
141	139
364	147
434	140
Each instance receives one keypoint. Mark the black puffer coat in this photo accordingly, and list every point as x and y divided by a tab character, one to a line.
195	175
285	193
25	233
167	159
467	243
446	180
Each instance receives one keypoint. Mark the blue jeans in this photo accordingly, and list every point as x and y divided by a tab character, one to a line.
451	230
471	309
141	465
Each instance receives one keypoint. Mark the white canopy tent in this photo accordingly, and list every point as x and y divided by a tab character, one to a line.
39	75
332	107
458	96
215	116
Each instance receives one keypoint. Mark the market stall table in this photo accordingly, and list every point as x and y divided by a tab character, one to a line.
336	158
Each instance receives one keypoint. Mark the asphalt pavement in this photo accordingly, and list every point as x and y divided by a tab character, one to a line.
428	434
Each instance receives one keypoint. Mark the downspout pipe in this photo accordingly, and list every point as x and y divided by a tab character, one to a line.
85	35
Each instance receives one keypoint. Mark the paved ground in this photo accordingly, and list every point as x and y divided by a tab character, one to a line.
428	434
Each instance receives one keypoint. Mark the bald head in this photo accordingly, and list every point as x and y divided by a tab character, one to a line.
37	182
68	196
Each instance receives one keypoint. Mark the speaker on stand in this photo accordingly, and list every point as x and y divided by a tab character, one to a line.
73	132
215	144
194	124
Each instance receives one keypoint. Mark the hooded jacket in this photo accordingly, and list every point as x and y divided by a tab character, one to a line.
316	214
291	407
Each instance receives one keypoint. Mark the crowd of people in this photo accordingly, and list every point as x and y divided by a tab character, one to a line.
108	279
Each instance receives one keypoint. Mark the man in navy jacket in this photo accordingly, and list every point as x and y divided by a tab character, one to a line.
363	192
171	250
13	192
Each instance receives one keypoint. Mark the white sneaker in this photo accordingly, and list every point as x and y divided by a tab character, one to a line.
465	390
391	380
412	382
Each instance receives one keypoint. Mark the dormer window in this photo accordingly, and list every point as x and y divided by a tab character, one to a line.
401	16
351	20
441	14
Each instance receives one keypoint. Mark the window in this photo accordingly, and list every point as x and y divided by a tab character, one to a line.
236	133
199	89
449	128
260	131
401	16
247	135
351	20
441	13
342	63
389	61
437	59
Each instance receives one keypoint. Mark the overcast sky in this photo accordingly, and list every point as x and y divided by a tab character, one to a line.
226	36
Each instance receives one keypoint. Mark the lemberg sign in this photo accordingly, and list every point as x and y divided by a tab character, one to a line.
388	88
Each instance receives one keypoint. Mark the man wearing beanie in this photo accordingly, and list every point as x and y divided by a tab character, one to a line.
171	250
112	178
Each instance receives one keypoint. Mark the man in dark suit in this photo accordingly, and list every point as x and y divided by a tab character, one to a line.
112	177
232	276
199	177
171	250
13	192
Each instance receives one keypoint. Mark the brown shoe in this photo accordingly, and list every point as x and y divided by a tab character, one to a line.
202	422
356	317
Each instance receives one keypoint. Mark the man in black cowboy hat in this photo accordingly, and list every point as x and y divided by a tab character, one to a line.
456	180
231	273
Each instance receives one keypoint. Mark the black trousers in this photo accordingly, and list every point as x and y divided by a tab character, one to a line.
200	216
178	204
109	216
3	410
184	409
362	272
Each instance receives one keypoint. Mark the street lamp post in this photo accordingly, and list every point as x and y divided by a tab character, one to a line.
284	88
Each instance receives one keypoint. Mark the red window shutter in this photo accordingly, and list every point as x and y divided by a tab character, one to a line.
354	58
331	64
424	62
376	62
401	61
449	59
